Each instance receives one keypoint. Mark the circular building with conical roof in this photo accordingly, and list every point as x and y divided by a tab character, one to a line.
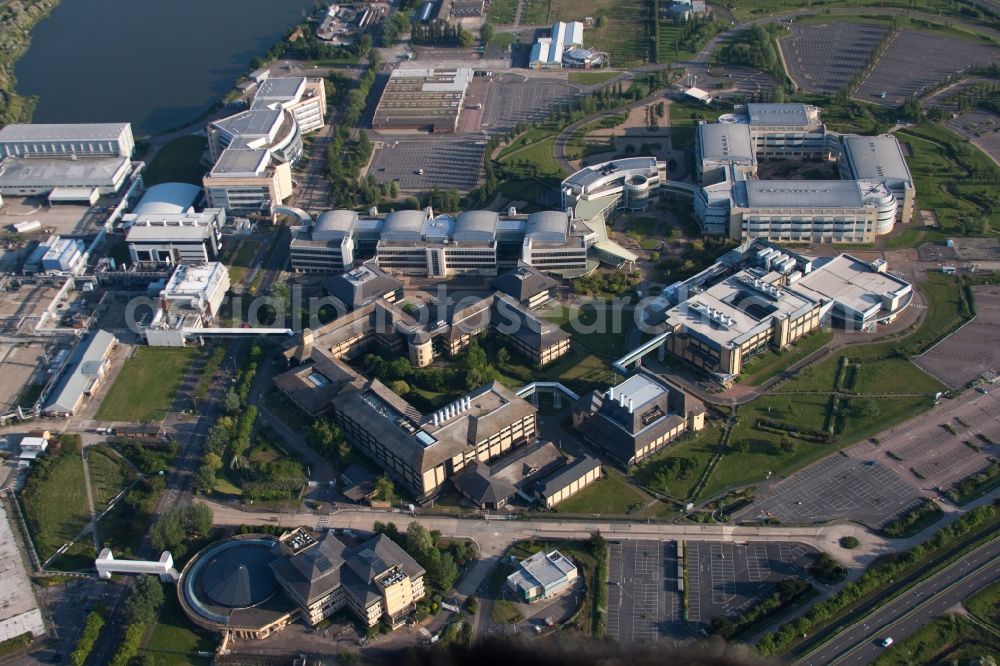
230	587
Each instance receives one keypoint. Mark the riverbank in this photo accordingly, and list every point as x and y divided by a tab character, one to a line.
16	22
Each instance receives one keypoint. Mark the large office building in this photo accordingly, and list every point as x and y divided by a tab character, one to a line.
420	450
418	242
69	163
874	191
253	150
250	586
638	417
423	99
761	296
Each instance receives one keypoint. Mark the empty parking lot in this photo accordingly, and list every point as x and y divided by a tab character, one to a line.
942	446
825	57
448	163
838	487
644	604
896	74
728	578
514	98
974	350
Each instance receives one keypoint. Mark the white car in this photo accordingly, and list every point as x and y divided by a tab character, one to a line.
887	641
420	172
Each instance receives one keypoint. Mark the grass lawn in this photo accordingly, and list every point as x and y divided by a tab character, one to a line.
56	507
503	40
985	604
610	495
535	12
591	78
225	486
540	154
950	639
108	475
771	362
146	385
683	120
504	612
700	448
240	263
177	162
503	11
174	639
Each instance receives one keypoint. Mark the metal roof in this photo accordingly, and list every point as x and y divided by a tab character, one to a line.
729	142
475	225
802	193
167	198
62	132
779	114
283	88
875	157
241	161
76	381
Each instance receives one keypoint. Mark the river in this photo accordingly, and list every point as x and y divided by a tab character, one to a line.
155	63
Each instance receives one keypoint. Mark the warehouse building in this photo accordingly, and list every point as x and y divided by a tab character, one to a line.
638	417
875	188
87	369
547	52
69	163
761	296
57	256
423	99
414	242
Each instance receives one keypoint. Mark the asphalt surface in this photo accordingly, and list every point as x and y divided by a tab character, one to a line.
861	643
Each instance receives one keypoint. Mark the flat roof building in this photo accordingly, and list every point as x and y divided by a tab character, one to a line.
67	140
541	576
547	52
175	238
424	99
189	301
638	417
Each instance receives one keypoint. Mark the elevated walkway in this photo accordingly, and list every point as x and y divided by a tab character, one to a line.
621	366
106	564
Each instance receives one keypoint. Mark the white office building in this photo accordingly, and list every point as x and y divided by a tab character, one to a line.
189	301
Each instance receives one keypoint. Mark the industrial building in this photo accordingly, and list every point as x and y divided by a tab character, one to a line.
547	52
57	256
875	188
253	150
761	296
251	586
638	417
189	301
541	576
423	99
86	370
165	227
415	242
67	163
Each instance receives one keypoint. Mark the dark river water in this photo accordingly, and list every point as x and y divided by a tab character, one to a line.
158	64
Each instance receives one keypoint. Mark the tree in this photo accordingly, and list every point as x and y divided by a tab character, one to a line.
212	460
204	479
144	600
418	539
503	357
198	519
232	403
486	33
385	489
740	445
787	444
399	387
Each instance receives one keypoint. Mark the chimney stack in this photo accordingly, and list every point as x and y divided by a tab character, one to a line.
630	409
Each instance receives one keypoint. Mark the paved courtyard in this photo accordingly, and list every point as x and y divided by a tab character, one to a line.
837	487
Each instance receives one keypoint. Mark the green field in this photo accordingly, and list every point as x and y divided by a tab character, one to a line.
591	78
743	10
985	604
954	179
177	162
625	34
610	495
534	152
146	385
174	639
108	475
766	365
56	507
535	12
502	12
